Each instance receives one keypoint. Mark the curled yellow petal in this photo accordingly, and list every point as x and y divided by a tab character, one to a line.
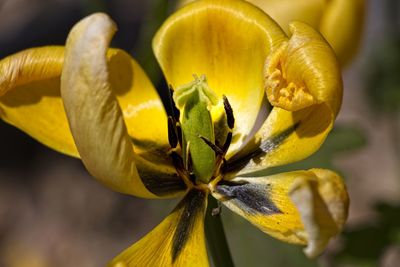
304	83
323	208
177	241
301	207
227	41
94	115
303	72
31	101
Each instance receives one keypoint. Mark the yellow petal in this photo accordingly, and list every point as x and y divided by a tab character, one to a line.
30	85
303	72
228	42
29	66
304	84
323	207
141	106
286	11
30	96
30	100
94	115
341	25
339	21
301	207
177	241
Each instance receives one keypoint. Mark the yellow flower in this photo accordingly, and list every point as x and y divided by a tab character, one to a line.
96	103
339	21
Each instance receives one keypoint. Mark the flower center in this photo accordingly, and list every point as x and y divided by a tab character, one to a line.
198	158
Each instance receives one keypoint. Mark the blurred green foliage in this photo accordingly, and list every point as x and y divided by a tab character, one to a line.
382	76
365	245
251	247
382	79
143	52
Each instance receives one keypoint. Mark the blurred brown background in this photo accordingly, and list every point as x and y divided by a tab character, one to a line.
52	213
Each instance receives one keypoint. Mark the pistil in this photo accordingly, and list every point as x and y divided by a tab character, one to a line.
195	101
198	160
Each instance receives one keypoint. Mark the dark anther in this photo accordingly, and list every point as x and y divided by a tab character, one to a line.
179	132
216	149
175	110
229	113
172	133
227	143
217	143
177	161
266	146
192	178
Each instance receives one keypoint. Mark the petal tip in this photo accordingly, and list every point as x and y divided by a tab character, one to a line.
322	202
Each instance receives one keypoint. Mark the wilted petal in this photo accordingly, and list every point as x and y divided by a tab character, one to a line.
30	100
94	116
323	207
304	84
301	207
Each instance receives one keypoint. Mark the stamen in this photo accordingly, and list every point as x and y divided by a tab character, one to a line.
220	153
175	111
227	143
216	149
177	161
174	126
172	133
196	100
179	132
229	113
180	169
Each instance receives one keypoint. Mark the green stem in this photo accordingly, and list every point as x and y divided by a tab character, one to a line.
216	240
